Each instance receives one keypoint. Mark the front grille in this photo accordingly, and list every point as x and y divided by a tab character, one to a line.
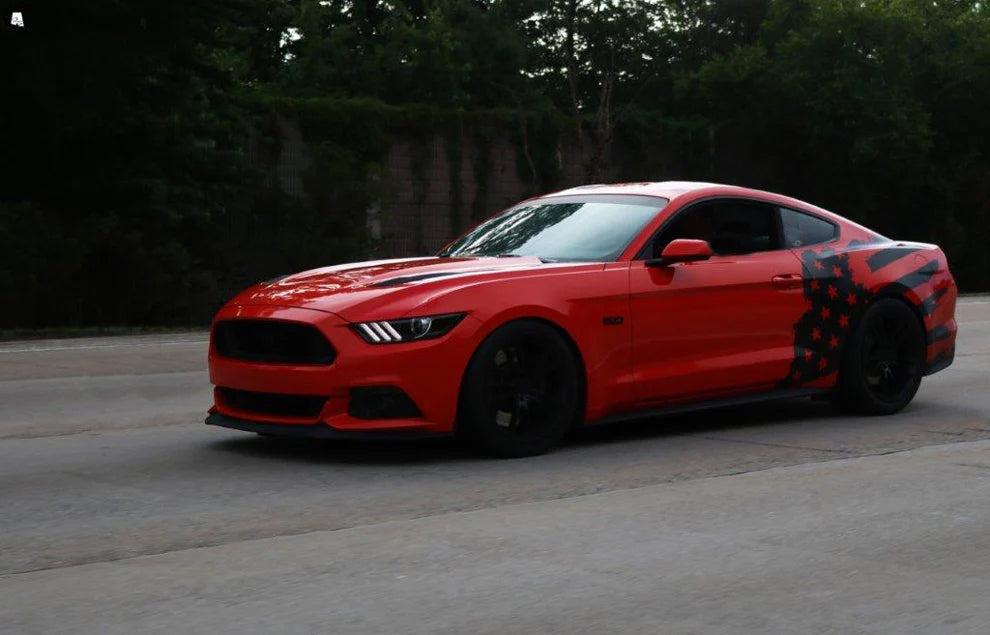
272	341
267	403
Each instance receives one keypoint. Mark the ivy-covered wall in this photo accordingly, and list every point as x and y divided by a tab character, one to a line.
425	175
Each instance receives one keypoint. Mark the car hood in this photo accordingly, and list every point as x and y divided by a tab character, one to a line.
355	291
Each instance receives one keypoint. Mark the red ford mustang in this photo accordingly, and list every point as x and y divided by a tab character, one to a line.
585	306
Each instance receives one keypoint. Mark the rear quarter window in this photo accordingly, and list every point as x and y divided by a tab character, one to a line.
801	230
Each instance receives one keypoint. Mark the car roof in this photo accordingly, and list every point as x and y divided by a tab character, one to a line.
666	189
671	190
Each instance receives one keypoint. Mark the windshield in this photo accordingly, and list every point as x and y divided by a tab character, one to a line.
584	228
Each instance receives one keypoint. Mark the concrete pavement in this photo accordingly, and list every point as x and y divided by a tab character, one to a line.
880	544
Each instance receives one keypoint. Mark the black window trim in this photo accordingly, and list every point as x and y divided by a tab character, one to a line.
644	253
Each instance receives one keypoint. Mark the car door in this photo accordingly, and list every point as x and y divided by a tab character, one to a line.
717	327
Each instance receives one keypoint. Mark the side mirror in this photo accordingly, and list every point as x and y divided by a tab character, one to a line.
682	250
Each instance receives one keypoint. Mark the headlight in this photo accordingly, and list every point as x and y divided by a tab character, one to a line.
426	327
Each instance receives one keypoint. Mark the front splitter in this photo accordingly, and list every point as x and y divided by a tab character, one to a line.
311	430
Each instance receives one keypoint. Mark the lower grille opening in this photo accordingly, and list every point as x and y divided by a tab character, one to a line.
381	402
267	403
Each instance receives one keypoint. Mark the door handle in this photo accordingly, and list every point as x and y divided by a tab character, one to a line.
787	280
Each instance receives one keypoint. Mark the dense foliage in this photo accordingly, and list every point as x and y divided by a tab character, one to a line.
135	186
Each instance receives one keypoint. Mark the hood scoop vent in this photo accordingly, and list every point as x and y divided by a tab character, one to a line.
391	282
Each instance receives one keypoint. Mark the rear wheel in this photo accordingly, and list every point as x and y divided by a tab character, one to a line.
884	359
521	391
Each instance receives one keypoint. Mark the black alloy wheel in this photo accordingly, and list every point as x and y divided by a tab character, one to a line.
884	360
521	391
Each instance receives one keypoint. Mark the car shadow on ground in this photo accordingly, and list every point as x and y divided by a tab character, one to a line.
756	415
449	450
344	451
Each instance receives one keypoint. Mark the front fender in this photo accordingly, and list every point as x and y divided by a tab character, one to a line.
590	305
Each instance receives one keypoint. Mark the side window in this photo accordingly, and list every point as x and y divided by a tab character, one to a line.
743	227
731	227
802	229
695	222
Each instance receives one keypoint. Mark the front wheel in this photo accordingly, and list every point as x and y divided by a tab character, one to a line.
884	359
521	391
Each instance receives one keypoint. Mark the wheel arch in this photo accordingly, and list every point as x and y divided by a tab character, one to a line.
848	392
568	340
896	291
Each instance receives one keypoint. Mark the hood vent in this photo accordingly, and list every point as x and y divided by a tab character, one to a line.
391	282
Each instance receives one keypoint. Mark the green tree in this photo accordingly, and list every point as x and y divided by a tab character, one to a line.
129	141
451	53
595	58
869	107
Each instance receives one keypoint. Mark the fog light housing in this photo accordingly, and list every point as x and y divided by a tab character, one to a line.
381	402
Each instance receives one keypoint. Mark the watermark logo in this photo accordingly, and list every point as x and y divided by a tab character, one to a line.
16	18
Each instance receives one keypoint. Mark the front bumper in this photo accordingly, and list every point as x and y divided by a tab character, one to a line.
429	372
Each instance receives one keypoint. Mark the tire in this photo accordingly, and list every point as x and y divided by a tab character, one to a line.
884	360
521	391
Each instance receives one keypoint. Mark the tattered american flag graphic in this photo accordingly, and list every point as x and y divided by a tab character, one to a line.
833	288
836	300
